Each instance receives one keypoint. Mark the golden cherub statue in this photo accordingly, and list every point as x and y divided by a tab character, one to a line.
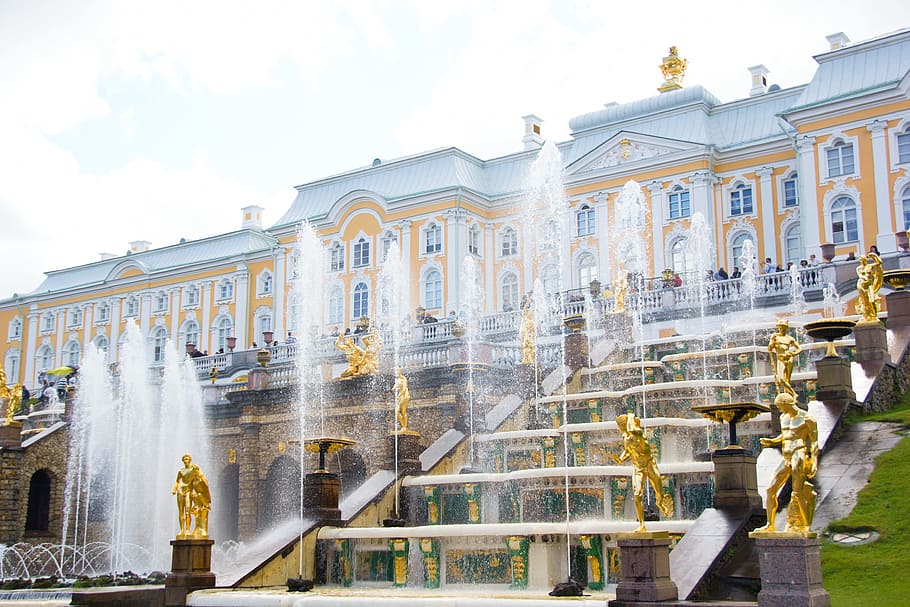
674	70
870	277
193	500
526	335
636	447
798	441
783	349
402	399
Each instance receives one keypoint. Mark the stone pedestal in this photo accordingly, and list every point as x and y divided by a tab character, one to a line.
791	571
11	435
735	480
320	497
408	451
834	381
525	380
871	342
898	304
258	378
191	569
576	345
645	570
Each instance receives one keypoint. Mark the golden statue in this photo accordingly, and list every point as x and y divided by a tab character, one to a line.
635	446
620	288
15	403
783	349
4	389
193	500
372	342
354	353
527	332
674	70
870	277
798	440
402	399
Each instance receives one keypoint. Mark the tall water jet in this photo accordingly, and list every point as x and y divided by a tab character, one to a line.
797	297
470	306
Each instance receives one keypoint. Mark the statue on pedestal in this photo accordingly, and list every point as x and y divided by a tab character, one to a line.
372	342
783	349
798	441
526	334
193	500
635	446
402	399
870	277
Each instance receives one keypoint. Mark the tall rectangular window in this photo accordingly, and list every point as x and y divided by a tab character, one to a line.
840	159
584	221
680	205
433	239
361	253
903	146
741	200
791	196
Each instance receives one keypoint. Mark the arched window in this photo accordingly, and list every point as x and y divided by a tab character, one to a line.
508	242
102	345
37	517
336	306
294	262
741	200
433	239
336	257
11	366
509	290
790	190
840	158
361	300
264	323
585	221
587	269
15	328
225	289
264	283
844	227
432	290
793	244
161	301
71	353
159	339
903	146
361	253
679	202
225	328
549	278
905	205
191	332
736	249
44	358
678	261
474	240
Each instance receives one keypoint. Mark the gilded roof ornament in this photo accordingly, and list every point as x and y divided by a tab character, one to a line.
674	70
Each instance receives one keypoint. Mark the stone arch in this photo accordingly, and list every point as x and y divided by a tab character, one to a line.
227	519
280	491
37	516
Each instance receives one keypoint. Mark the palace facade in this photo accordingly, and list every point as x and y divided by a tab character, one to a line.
826	162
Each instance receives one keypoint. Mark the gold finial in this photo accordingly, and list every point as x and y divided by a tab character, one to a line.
674	70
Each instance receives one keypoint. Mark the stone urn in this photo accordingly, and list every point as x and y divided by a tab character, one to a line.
827	251
263	357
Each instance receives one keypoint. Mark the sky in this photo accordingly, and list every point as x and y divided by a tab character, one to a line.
156	121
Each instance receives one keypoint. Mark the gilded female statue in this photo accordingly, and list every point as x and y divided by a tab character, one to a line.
869	280
193	500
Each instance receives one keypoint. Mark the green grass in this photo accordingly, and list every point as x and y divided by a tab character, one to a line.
876	574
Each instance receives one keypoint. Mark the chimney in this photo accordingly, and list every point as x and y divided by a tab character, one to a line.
252	217
759	80
838	40
532	138
139	246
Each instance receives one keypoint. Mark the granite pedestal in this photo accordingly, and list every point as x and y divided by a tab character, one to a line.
645	573
834	381
11	435
320	497
898	304
576	345
791	571
871	342
191	569
735	480
408	451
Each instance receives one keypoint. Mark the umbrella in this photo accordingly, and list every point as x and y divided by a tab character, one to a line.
59	371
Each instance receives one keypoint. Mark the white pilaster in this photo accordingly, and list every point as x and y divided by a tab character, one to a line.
113	352
32	344
61	331
241	307
404	240
87	321
808	196
527	250
489	255
656	193
601	211
278	297
456	248
885	238
703	196
205	328
174	309
768	246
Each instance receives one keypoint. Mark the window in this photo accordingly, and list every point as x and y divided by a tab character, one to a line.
474	240
509	292
104	312
161	301
265	324
361	253
678	259
47	321
15	328
737	249
840	159
903	146
295	264
191	332
844	226
432	289
71	353
680	205
905	205
225	289
584	221
387	242
225	329
336	306
74	317
793	244
192	296
12	366
102	345
131	307
791	195
361	300
159	340
587	269
336	258
264	284
433	237
508	242
44	358
549	278
741	200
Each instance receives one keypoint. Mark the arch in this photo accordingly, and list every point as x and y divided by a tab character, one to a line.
102	344
227	520
44	358
586	268
11	365
224	290
131	307
905	208
432	290
71	353
158	336
901	192
360	252
508	291
223	327
474	239
737	243
48	322
792	242
843	220
549	278
789	190
126	268
741	198
336	257
677	255
901	143
189	332
336	305
191	296
840	158
103	313
431	235
356	201
388	239
360	304
37	516
162	301
262	321
280	492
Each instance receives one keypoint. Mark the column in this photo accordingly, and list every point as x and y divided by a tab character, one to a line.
808	195
489	257
205	328
279	289
657	226
457	248
601	212
768	246
241	308
885	237
61	330
32	344
703	196
145	314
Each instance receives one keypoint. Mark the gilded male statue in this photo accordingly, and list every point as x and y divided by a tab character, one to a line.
869	279
783	349
798	442
402	399
636	447
193	500
526	334
354	354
